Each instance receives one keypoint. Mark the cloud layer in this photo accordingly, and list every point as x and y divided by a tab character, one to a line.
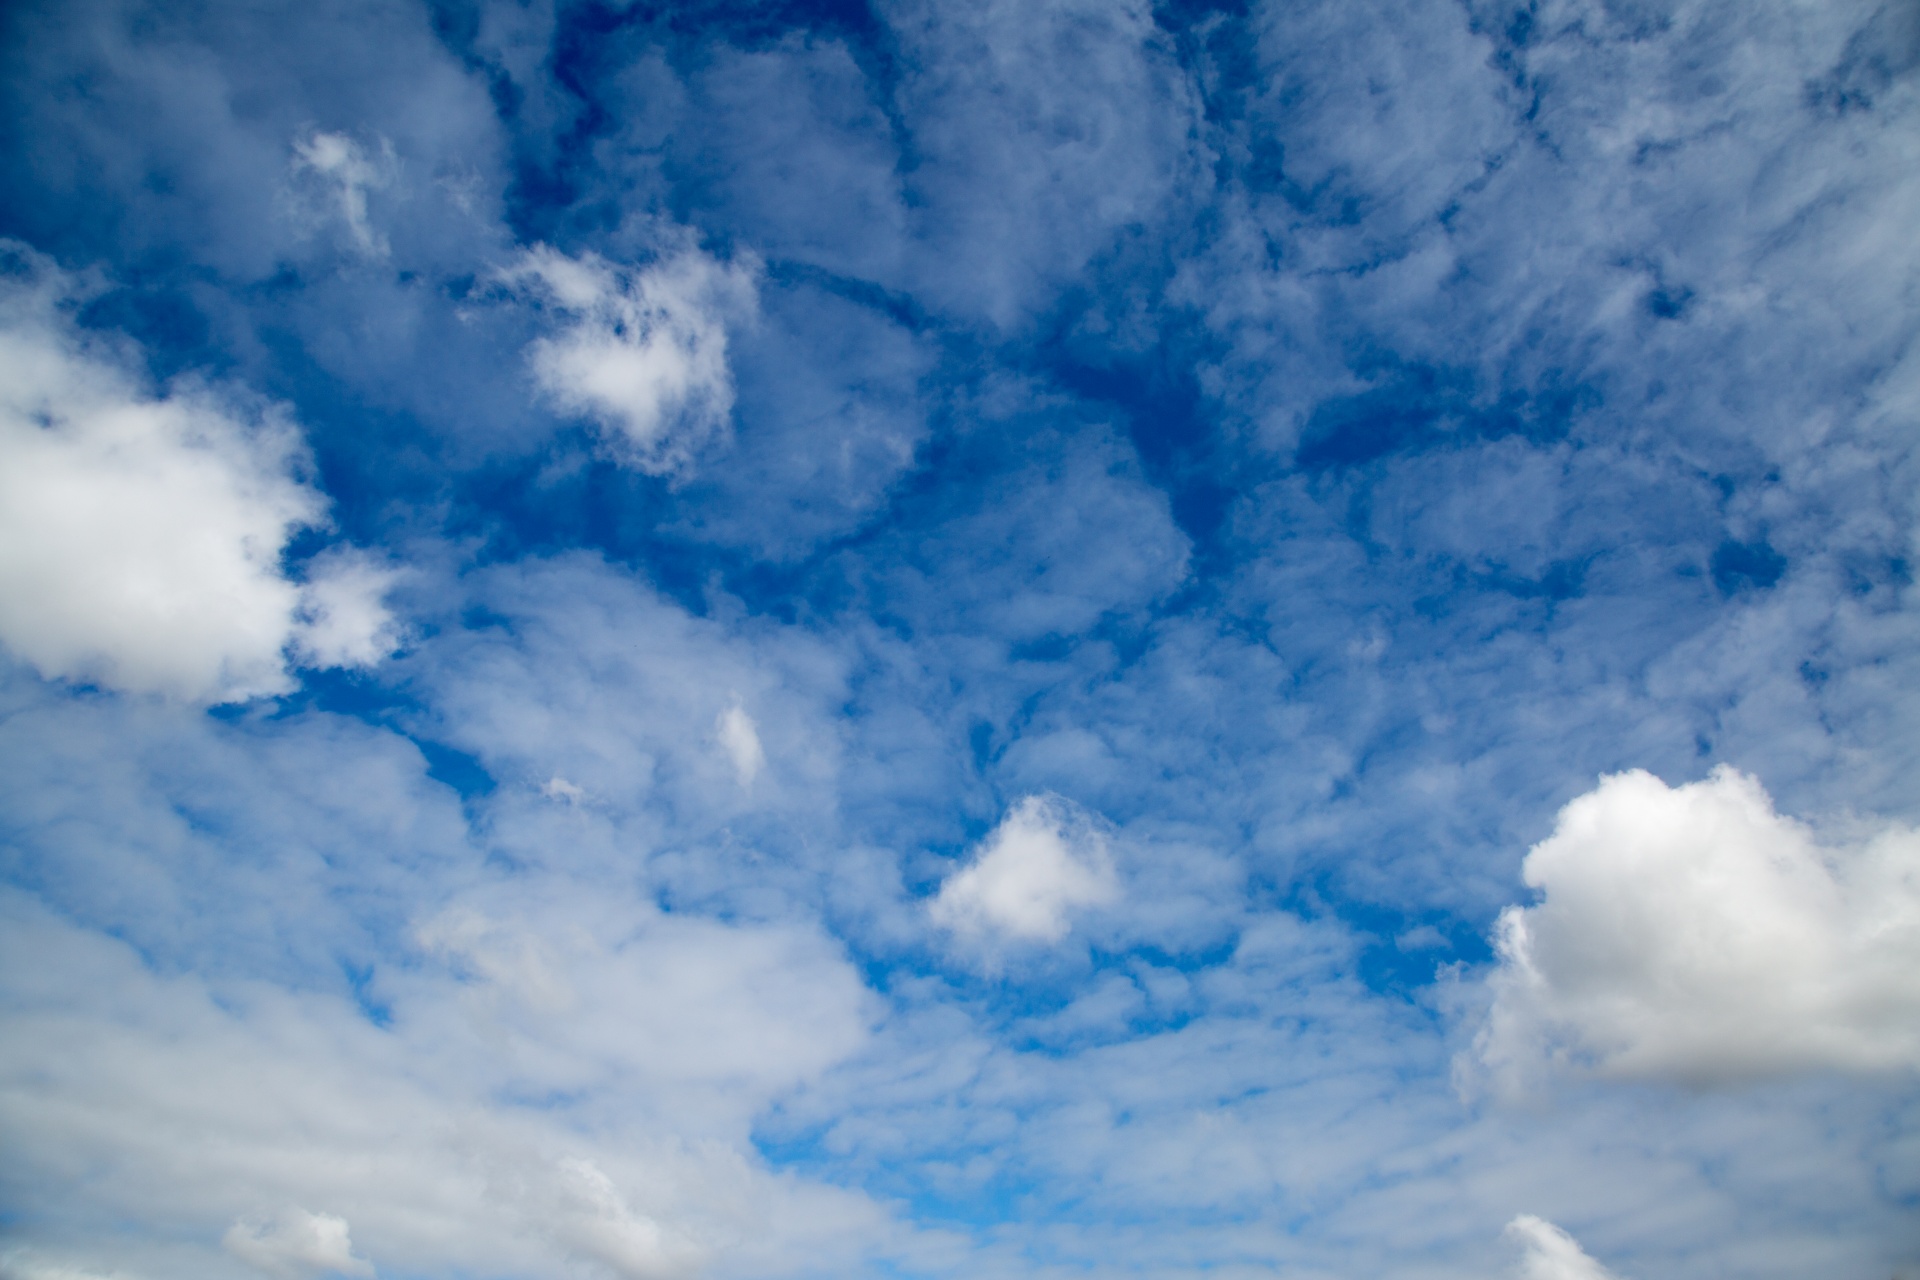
994	597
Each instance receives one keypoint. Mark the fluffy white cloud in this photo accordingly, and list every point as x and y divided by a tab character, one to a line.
643	353
1045	859
140	535
1693	933
1550	1253
296	1244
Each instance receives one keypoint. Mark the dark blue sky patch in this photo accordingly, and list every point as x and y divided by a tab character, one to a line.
1746	566
174	333
1560	580
1669	302
1416	407
457	769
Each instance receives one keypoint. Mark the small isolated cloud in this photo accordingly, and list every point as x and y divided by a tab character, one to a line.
1550	1253
1044	860
140	535
296	1245
740	738
338	173
1692	933
641	352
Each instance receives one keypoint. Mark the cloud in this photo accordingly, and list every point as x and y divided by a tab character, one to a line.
590	1217
500	1136
140	536
346	173
1044	860
643	352
1692	933
17	1265
342	620
741	740
296	1244
1552	1254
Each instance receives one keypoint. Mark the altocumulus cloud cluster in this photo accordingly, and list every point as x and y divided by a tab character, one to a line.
904	638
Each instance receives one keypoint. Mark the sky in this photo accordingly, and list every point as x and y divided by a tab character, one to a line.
897	638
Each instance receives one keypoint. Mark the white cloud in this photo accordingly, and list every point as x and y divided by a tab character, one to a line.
296	1244
589	1217
342	620
643	352
1550	1253
1045	859
558	788
18	1265
503	1136
571	991
346	173
140	535
741	740
1693	933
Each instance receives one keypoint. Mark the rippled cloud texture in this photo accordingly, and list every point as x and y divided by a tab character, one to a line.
942	640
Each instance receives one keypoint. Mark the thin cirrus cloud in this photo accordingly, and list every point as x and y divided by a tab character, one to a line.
141	534
1693	933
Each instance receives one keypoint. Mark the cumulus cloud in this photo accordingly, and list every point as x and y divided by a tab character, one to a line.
295	1245
1693	933
1044	860
1550	1253
141	534
641	352
344	172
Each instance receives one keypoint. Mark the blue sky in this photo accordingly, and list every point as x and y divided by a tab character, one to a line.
959	640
